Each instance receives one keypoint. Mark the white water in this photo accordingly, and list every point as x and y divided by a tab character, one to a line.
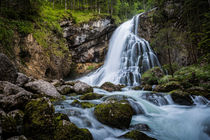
168	121
128	57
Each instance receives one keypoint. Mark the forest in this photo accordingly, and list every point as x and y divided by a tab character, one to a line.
104	69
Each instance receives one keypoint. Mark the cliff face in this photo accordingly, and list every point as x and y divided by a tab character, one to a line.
151	30
88	42
34	60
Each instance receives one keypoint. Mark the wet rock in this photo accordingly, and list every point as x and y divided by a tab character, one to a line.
56	83
111	87
21	79
12	123
22	137
155	98
140	127
181	97
66	131
82	88
115	114
39	119
65	89
8	71
44	88
71	83
90	96
151	76
77	103
137	135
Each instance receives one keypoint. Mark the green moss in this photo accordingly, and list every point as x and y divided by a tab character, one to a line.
69	131
91	96
115	114
77	103
39	119
137	135
165	79
151	76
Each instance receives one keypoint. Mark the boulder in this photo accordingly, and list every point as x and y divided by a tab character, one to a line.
39	119
91	96
22	137
82	88
44	88
172	85
77	103
8	71
116	114
67	130
65	89
140	127
21	79
180	97
137	135
12	123
13	97
111	87
155	98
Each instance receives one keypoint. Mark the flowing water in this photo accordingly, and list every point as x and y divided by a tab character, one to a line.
128	57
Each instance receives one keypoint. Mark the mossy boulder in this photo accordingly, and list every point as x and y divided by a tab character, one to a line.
116	114
137	135
65	89
39	119
151	76
11	123
108	86
199	91
82	88
172	85
77	103
90	96
165	79
69	131
180	97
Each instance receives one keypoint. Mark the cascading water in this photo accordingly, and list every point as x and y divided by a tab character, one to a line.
128	57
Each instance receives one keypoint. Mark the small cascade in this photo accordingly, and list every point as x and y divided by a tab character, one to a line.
128	57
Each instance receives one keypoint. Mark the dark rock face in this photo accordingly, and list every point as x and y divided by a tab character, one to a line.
155	98
89	41
148	29
8	71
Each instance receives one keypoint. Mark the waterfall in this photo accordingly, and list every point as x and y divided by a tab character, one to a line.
128	57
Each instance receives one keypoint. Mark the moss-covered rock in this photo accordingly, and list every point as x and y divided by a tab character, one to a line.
180	97
165	79
11	123
108	86
82	88
39	119
65	89
172	85
151	76
90	96
199	91
137	135
116	114
77	103
69	131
